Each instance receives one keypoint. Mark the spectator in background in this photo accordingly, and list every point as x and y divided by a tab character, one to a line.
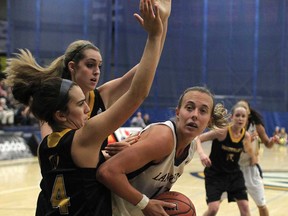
3	92
23	116
137	121
6	114
146	119
282	136
276	131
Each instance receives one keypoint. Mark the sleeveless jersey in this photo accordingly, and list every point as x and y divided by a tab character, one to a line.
97	106
245	158
96	103
65	188
225	154
155	179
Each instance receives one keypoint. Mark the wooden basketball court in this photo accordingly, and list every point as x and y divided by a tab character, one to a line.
19	185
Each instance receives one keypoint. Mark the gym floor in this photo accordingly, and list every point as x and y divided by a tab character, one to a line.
19	185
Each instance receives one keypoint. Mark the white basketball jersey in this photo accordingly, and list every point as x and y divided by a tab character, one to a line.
155	180
245	158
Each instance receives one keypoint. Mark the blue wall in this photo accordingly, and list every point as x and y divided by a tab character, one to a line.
238	49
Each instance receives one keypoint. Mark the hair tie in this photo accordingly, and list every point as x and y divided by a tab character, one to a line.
79	50
64	89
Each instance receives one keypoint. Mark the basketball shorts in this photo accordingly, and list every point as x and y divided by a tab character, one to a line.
216	184
254	184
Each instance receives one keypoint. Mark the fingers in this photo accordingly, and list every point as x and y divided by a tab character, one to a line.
165	8
115	148
206	162
150	18
168	205
132	139
117	145
156	11
156	207
147	8
139	19
132	136
144	7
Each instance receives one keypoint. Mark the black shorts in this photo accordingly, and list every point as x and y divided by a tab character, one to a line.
232	183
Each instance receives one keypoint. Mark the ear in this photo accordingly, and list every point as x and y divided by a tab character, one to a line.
71	67
177	110
60	116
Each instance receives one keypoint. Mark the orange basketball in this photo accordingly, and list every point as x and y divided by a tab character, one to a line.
184	206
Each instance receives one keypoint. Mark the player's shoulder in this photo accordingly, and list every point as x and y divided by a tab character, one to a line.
162	128
160	133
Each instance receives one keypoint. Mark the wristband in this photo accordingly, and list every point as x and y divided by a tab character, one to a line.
143	202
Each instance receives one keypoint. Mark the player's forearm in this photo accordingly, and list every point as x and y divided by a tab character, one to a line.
199	148
148	63
119	185
251	153
163	38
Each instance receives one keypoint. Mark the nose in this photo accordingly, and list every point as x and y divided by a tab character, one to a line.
195	114
87	108
96	71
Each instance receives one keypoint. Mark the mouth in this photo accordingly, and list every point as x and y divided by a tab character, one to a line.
192	125
93	80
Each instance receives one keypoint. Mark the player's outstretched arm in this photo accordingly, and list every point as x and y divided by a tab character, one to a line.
112	90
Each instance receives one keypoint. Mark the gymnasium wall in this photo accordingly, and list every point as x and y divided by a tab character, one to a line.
237	48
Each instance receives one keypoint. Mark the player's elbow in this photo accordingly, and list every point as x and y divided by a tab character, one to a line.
104	174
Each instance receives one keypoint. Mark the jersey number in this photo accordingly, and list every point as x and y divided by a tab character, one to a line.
59	198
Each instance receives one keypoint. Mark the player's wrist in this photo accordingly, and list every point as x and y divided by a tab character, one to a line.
143	202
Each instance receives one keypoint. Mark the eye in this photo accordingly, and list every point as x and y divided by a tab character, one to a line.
189	107
81	103
204	111
90	65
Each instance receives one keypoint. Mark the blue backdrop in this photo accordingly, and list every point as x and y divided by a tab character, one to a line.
237	48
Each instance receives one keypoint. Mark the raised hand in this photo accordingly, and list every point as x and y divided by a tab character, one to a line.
164	8
150	18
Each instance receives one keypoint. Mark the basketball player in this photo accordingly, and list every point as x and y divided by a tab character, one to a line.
82	62
253	174
69	156
154	163
222	171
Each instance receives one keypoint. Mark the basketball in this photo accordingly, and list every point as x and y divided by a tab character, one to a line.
184	206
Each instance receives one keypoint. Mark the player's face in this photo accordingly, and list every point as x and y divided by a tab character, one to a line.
78	108
240	117
87	72
195	113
